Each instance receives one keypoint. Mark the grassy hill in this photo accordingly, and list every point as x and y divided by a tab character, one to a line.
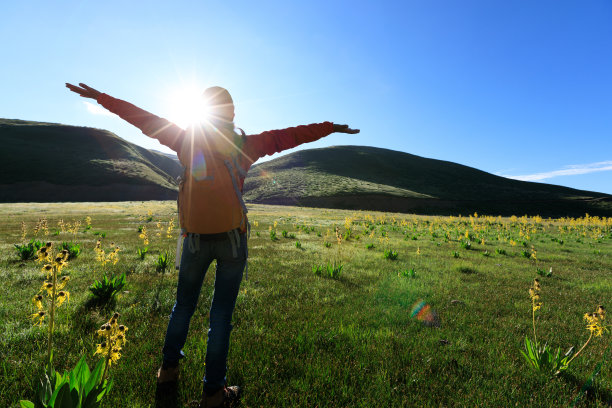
46	162
359	177
54	162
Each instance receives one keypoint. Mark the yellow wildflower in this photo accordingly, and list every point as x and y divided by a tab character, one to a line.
115	355
47	269
595	321
102	348
48	286
62	297
37	300
105	330
38	317
62	282
43	254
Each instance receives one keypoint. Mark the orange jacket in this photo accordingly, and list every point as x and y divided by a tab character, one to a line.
208	201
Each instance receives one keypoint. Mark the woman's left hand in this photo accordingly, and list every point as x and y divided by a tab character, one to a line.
344	129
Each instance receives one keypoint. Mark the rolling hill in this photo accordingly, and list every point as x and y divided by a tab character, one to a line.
46	162
359	177
53	162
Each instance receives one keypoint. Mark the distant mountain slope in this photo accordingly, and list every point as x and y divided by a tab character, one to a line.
53	162
371	178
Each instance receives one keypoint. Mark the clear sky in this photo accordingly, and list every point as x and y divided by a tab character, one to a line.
514	88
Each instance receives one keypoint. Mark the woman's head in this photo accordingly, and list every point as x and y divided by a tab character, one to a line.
220	105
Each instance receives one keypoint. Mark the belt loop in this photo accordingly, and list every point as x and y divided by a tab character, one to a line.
237	237
190	243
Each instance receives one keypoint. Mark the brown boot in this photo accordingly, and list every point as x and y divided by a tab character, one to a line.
226	397
167	375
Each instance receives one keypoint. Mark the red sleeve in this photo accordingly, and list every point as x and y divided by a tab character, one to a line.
161	129
274	141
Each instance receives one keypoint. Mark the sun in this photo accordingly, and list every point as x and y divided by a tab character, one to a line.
186	107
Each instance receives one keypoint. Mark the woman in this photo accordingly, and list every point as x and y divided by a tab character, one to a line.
212	217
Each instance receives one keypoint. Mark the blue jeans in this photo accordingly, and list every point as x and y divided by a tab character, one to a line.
195	261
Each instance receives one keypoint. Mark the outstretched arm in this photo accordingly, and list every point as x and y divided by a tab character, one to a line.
151	125
274	141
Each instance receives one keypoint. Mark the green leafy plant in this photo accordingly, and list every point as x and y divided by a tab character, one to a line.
27	251
77	388
332	270
544	358
285	233
390	254
327	244
105	290
455	254
466	244
370	246
73	249
163	260
500	251
542	272
298	244
273	236
407	273
142	252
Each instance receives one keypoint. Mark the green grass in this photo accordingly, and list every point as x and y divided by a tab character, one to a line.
303	341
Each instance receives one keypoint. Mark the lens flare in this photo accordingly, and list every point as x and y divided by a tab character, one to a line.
424	313
198	166
268	176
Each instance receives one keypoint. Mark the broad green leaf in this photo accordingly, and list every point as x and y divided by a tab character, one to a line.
43	392
26	404
94	377
58	394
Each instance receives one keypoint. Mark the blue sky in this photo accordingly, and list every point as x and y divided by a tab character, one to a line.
514	88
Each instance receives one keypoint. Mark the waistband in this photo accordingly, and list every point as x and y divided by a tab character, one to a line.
221	236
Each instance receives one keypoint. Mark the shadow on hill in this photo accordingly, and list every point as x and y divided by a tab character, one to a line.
423	186
45	162
388	203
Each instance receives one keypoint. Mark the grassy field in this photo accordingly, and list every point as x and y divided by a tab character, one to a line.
302	339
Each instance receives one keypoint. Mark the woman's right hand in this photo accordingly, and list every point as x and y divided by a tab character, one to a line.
84	90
